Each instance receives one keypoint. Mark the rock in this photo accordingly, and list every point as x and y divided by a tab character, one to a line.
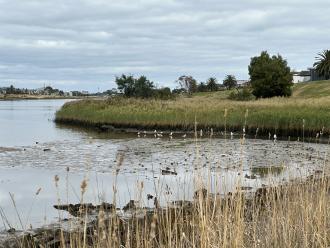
168	172
11	230
201	192
130	205
150	197
76	209
250	176
244	188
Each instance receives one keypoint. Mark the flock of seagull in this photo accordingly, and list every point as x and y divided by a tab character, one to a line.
170	135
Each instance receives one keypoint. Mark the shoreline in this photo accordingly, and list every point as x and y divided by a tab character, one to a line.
32	97
218	131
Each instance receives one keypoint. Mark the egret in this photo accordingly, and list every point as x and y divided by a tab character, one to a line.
184	136
275	138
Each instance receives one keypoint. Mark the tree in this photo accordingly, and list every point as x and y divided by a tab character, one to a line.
230	82
11	90
188	83
135	87
322	65
212	84
125	85
143	87
202	87
270	76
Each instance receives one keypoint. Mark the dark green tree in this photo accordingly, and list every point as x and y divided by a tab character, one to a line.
125	85
143	87
11	90
188	83
212	84
322	64
270	76
230	82
135	87
202	87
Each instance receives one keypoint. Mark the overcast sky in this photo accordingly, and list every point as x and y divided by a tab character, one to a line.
76	44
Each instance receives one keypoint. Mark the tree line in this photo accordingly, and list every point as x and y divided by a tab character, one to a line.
269	76
142	87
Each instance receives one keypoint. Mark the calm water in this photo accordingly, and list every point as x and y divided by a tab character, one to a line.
33	150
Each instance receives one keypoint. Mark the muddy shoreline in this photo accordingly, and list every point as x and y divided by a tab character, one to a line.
213	131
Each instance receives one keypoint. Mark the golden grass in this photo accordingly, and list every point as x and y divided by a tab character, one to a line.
284	116
295	215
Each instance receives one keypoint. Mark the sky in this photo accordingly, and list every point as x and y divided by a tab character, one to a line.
85	44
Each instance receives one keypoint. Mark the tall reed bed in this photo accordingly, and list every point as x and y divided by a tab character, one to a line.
294	215
277	115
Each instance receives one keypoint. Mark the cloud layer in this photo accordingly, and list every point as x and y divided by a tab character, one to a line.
84	44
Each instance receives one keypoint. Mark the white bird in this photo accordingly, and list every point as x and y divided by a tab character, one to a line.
145	133
231	135
171	134
317	135
184	136
160	134
138	134
275	138
155	133
201	133
211	134
243	129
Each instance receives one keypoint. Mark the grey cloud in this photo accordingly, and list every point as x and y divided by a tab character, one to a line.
84	43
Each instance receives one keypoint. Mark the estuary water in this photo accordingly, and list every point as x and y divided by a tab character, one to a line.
34	150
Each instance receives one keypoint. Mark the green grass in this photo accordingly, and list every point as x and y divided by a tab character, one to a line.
312	90
281	115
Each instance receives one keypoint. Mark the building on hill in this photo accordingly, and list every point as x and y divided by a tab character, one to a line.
308	75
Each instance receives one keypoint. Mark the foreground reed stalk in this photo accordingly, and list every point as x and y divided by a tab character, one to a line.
296	214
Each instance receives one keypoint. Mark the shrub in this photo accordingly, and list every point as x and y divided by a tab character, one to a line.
241	95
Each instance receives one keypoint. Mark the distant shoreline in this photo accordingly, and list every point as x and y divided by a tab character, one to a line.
36	97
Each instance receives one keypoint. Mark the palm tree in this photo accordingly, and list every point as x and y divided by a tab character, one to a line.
322	65
230	82
212	84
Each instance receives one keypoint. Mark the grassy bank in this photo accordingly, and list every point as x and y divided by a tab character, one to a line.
285	116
